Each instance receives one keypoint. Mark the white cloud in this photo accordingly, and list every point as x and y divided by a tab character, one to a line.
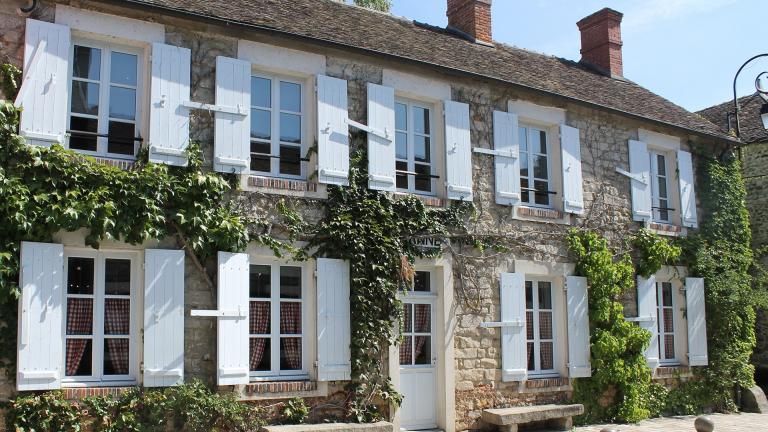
652	11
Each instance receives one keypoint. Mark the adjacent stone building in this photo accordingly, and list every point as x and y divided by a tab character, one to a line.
539	144
753	153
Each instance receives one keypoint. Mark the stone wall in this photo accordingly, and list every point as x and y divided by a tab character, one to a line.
477	350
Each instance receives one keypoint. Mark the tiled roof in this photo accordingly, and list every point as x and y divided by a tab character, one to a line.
359	28
751	125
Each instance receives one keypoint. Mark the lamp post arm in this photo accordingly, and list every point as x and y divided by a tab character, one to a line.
736	107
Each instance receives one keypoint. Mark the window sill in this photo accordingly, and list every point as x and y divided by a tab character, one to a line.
545	384
289	187
539	214
665	229
79	393
256	391
429	201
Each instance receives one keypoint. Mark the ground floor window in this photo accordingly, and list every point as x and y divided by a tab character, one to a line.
277	342
539	314
666	320
100	316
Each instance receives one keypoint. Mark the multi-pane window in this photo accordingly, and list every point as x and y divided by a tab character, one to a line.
416	347
660	187
277	120
539	326
276	325
414	148
105	87
99	317
665	297
534	166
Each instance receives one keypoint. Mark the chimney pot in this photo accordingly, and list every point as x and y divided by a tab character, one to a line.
472	17
601	41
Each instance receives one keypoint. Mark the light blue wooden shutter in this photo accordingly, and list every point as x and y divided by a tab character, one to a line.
381	151
333	320
44	88
514	366
333	131
458	151
168	117
573	188
578	327
41	337
687	190
640	170
233	330
697	322
647	311
163	317
232	139
506	142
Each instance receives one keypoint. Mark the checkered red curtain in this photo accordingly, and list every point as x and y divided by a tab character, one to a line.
259	324
117	321
405	346
421	324
79	323
290	323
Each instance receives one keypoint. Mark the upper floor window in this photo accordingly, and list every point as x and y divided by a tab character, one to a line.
660	187
666	319
276	327
100	315
540	329
534	166
414	147
277	125
104	109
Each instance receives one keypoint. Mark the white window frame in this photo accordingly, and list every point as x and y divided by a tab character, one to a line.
276	374
275	112
530	128
656	178
104	85
660	322
410	106
98	337
537	371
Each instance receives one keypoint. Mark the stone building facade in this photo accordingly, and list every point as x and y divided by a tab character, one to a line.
463	287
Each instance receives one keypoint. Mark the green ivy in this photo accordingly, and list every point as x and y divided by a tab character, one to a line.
372	230
189	407
295	411
653	252
620	384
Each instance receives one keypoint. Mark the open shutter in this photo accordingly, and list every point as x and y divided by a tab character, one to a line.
44	88
41	339
573	190
458	151
514	366
578	327
687	192
697	322
647	311
232	143
381	151
333	320
233	331
163	317
640	169
333	133
169	118
506	141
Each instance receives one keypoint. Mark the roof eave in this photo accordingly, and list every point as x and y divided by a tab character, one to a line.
293	35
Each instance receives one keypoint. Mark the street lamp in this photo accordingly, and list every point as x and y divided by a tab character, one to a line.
763	92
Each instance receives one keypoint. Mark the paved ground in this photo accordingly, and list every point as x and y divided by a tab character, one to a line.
723	423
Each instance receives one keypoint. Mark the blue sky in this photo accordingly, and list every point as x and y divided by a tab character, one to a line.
685	50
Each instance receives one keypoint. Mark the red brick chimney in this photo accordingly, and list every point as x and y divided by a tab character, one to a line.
472	17
601	41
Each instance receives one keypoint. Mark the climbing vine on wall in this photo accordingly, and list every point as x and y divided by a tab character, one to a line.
372	230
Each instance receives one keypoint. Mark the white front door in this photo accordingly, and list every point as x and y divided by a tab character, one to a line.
418	359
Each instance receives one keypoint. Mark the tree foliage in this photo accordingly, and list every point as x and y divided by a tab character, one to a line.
379	5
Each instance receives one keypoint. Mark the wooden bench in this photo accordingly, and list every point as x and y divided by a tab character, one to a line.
559	417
